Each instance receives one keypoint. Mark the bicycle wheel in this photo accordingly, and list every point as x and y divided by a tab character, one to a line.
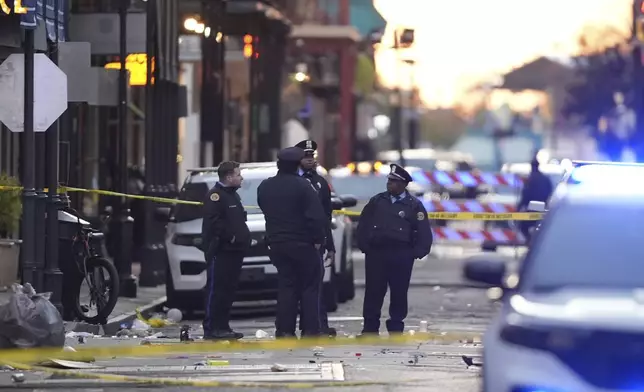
101	286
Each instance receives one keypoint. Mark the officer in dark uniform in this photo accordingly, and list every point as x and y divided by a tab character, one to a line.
537	187
225	239
308	170
295	232
393	231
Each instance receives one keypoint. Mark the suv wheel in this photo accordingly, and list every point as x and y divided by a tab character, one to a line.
347	284
330	293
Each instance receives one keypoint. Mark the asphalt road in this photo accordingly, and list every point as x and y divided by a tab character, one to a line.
439	296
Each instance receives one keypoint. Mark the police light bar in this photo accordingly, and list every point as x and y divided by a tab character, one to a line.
365	167
605	173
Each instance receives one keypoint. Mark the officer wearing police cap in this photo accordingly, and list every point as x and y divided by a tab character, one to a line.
308	170
295	232
393	231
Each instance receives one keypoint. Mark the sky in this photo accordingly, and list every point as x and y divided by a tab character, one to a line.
459	42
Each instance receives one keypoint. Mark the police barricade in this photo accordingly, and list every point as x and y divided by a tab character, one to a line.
496	221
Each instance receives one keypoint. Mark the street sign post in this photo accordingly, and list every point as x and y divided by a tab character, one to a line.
50	92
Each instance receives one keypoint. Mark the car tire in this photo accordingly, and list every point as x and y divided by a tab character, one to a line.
347	285
330	294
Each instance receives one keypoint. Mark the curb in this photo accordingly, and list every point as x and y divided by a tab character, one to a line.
114	324
429	283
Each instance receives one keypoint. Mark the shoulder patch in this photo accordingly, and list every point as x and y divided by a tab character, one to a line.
214	197
420	216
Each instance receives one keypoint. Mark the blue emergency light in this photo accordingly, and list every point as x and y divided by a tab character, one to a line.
605	173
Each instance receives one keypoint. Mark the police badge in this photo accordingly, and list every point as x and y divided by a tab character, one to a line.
420	216
401	214
309	144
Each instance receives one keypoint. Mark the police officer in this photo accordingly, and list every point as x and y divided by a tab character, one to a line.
537	187
225	239
295	232
393	230
308	167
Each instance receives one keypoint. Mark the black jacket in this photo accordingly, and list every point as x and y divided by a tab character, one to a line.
224	222
292	210
324	194
537	187
384	224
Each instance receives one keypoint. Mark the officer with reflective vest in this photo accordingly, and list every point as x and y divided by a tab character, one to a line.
295	232
392	232
308	170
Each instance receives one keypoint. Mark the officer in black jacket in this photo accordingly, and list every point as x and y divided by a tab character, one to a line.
392	232
537	187
308	170
295	233
225	239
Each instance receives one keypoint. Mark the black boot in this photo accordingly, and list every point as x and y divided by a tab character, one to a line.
223	335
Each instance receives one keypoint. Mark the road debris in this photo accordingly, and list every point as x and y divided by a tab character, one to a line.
469	361
261	334
18	377
277	368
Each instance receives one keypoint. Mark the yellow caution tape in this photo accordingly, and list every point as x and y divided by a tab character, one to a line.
515	216
153	349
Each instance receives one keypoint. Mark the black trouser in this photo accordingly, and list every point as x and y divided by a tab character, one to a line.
387	267
298	270
222	273
324	318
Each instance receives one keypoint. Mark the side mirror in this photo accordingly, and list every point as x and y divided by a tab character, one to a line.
336	203
162	214
490	272
537	206
349	201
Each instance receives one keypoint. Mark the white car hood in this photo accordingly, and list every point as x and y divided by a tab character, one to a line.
255	223
615	309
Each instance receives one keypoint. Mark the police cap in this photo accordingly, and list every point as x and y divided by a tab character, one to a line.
397	173
309	146
290	154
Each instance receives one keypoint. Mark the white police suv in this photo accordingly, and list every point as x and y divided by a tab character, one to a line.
186	275
572	317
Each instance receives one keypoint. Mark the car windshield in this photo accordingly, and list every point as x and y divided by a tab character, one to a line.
555	178
362	187
197	191
594	246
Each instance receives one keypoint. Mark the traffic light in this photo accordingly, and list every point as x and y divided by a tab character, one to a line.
249	46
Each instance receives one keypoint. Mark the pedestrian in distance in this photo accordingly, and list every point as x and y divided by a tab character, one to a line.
392	232
225	240
308	170
537	187
295	232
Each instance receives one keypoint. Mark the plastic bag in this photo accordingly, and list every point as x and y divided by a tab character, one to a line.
30	320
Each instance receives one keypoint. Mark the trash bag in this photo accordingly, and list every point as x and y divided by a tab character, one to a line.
30	320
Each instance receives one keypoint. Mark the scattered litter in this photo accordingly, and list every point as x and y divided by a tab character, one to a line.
318	351
278	368
412	332
139	325
18	377
261	334
81	340
174	316
423	327
184	334
72	335
469	361
217	362
156	321
30	320
436	288
63	364
358	354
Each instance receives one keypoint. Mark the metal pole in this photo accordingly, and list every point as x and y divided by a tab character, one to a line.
30	273
397	120
638	84
53	275
123	257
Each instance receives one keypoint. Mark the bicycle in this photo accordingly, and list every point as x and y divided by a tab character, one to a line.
97	272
